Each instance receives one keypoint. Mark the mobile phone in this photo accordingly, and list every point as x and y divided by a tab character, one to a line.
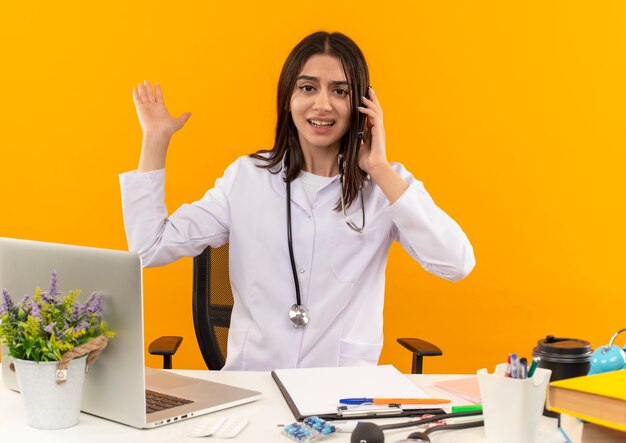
362	117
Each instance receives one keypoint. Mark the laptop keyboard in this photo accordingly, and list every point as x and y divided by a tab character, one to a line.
156	401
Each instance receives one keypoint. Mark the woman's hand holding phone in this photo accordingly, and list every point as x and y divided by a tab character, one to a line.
372	152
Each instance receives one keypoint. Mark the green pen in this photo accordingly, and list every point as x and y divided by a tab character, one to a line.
467	408
533	366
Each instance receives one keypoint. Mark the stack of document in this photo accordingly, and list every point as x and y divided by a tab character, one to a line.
599	399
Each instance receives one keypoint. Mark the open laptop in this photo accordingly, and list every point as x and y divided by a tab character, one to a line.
115	387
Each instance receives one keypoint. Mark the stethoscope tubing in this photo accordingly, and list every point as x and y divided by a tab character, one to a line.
431	419
290	242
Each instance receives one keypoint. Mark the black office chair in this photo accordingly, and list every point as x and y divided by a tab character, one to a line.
212	306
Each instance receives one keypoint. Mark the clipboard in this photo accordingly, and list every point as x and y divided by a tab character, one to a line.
301	388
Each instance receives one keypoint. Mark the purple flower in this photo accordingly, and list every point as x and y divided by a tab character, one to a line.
7	303
93	305
35	310
24	304
82	325
49	328
24	300
76	311
51	295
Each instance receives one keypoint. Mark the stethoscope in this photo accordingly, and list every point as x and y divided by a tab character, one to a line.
298	313
368	432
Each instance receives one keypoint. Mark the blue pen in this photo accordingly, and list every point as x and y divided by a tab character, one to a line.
355	401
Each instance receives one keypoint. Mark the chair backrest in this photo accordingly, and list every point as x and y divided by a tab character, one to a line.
212	304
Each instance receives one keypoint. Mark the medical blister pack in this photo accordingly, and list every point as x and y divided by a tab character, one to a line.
311	429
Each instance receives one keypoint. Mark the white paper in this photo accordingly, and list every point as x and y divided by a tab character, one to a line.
318	390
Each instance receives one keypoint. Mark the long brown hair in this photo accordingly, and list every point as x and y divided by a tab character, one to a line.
286	142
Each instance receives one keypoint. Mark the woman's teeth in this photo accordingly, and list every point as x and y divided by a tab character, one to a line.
321	124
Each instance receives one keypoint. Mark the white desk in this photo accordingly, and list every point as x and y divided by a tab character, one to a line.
264	415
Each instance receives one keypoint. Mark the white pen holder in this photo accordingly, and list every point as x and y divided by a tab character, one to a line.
512	407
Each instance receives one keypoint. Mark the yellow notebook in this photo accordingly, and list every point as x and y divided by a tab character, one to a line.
599	398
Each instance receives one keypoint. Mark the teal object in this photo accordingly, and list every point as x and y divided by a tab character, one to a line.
606	359
609	357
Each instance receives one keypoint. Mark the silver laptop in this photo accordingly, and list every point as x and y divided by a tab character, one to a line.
115	387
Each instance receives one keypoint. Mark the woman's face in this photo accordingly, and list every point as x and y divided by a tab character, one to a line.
320	104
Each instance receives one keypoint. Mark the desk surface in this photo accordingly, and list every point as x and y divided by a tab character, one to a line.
264	415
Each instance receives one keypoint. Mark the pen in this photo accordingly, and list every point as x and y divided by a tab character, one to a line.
523	372
369	410
508	366
533	366
514	366
467	408
393	401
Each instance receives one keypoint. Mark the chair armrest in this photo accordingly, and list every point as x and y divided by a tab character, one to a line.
420	349
165	346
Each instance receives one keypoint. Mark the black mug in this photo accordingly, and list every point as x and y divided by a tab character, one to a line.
565	357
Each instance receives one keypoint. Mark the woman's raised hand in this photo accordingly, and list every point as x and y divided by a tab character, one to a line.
154	118
157	125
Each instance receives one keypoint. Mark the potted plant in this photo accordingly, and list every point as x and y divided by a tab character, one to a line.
51	340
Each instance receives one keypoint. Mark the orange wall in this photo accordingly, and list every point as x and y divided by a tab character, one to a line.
511	113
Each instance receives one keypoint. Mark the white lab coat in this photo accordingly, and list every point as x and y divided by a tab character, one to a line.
341	272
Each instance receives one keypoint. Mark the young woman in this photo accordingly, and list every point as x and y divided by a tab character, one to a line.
309	223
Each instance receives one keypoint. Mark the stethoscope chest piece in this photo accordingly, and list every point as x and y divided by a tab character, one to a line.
299	315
